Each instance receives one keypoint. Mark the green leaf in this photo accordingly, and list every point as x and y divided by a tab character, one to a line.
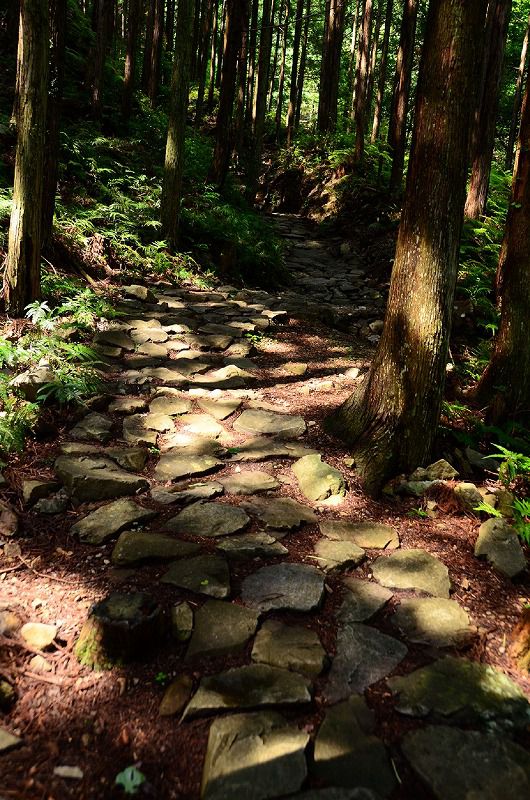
130	780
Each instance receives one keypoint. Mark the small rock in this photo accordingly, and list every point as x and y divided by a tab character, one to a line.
332	555
441	470
93	426
220	409
69	773
36	490
40	664
295	368
317	479
38	635
181	621
498	542
8	741
9	623
289	647
141	293
468	496
176	696
8	520
108	520
221	628
30	383
251	545
249	482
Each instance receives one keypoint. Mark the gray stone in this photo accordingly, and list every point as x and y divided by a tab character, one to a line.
348	754
461	691
487	767
171	406
317	479
38	635
209	519
337	555
362	600
177	464
115	338
252	686
364	656
132	459
439	471
413	569
141	429
468	495
202	425
201	574
181	621
141	293
56	504
295	368
88	478
176	696
433	620
290	587
262	448
108	520
280	513
30	383
8	520
289	647
219	408
93	426
221	628
251	545
32	491
128	405
193	493
8	741
249	482
283	426
137	547
371	535
253	756
498	542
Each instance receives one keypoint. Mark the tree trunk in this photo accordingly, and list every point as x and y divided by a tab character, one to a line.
195	40
279	28
484	140
169	27
22	271
219	75
130	58
382	72
350	80
301	71
252	39
213	55
330	71
178	108
153	82
281	83
397	131
148	44
392	420
361	80
517	101
293	88
239	121
206	29
373	61
236	11
260	103
98	55
507	377
57	21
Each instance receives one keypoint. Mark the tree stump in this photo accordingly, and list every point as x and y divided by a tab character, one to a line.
520	647
120	628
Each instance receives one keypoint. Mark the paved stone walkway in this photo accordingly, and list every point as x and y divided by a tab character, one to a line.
215	500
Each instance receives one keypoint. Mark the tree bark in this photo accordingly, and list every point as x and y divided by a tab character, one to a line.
350	80
508	164
57	22
281	82
293	88
22	271
236	11
260	103
252	39
301	71
397	131
169	27
213	55
330	71
484	140
361	80
239	121
155	64
195	40
279	28
206	30
392	420
98	55
373	61
376	126
507	378
219	75
178	108
130	59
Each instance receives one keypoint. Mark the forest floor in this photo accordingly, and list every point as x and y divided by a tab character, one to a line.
204	387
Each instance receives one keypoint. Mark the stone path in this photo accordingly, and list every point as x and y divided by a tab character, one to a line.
188	469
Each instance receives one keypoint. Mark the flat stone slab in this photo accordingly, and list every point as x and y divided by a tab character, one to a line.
175	465
142	428
137	547
8	741
332	555
363	599
257	420
318	480
289	647
202	574
219	408
93	426
195	492
90	478
498	542
290	587
280	513
347	753
251	545
434	621
106	521
261	448
369	535
133	459
252	686
462	691
413	569
364	656
488	767
202	425
249	482
128	405
171	406
253	756
221	628
209	519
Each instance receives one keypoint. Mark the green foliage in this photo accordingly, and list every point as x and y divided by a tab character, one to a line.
521	510
514	465
130	779
17	417
485	508
418	512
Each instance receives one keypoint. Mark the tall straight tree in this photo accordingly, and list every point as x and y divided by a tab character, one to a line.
252	40
350	78
373	60
260	100
293	88
507	378
155	61
484	138
361	79
133	22
381	82
517	100
281	81
330	65
178	107
148	43
213	54
98	54
391	421
397	129
22	270
301	72
202	64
